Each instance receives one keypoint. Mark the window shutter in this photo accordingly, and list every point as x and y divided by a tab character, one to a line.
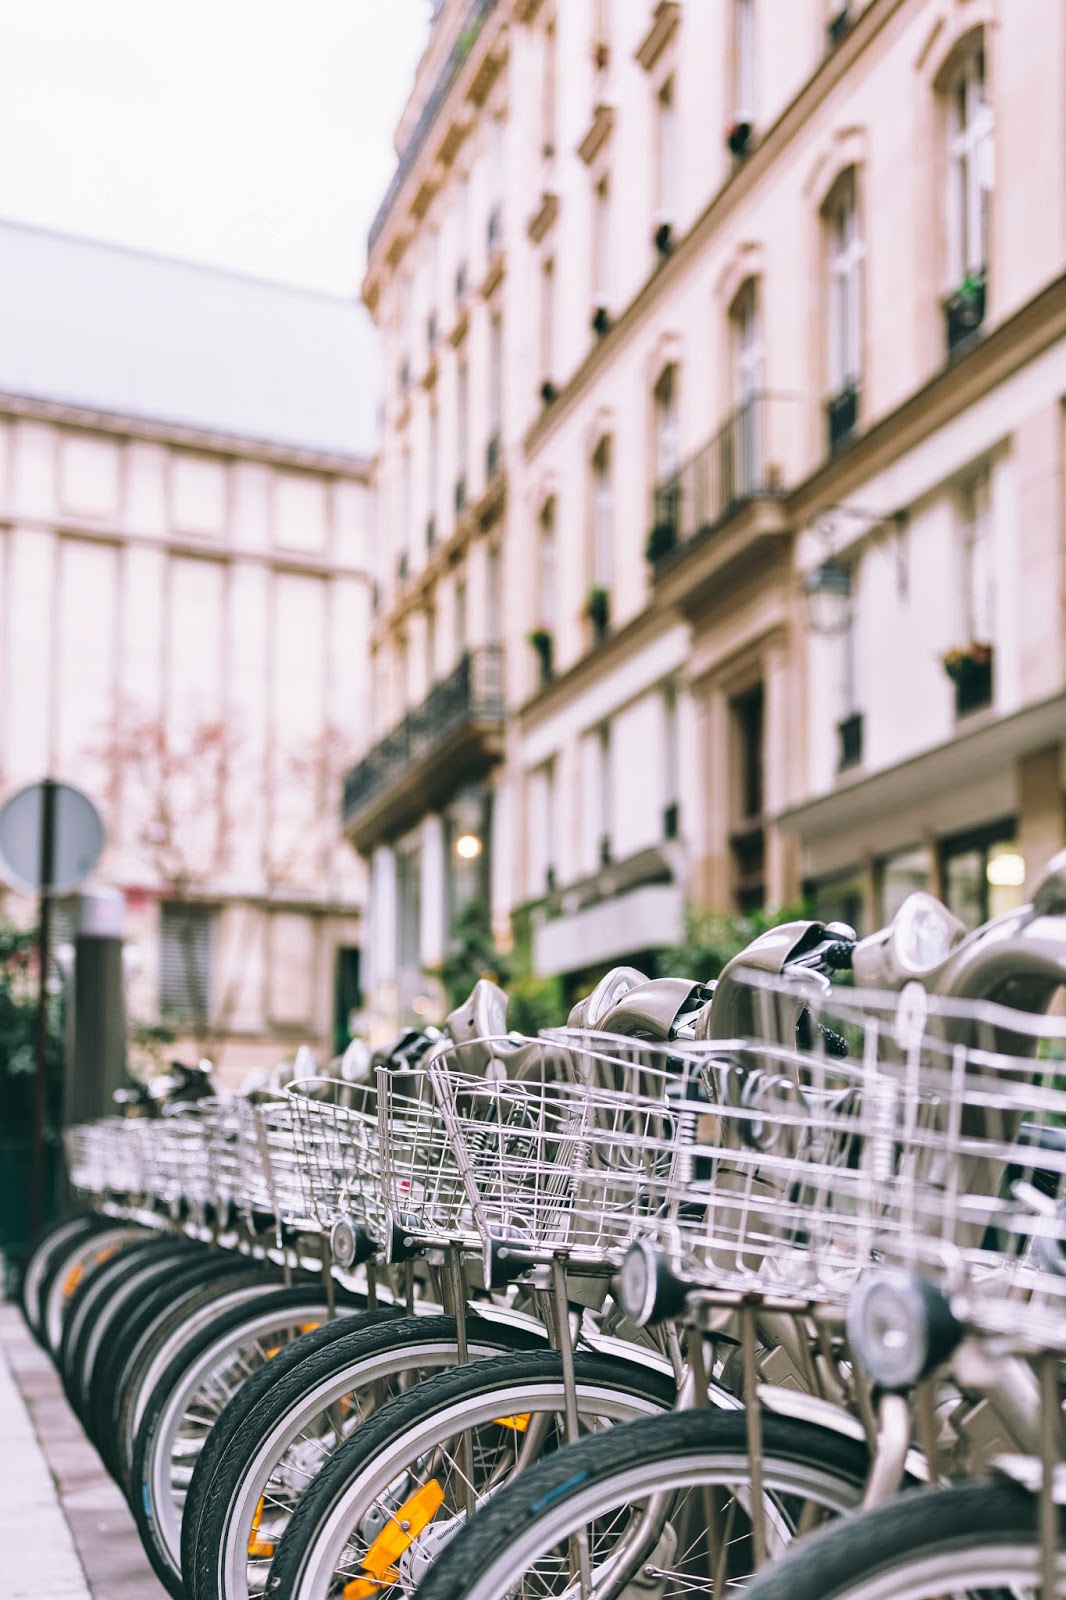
185	963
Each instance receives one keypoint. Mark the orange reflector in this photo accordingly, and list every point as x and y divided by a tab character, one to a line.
72	1279
416	1513
263	1548
362	1589
518	1424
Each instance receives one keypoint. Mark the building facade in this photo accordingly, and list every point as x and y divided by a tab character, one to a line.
755	394
186	518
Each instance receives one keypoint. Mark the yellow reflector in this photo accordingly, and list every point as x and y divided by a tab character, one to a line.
406	1524
72	1279
361	1589
259	1547
518	1424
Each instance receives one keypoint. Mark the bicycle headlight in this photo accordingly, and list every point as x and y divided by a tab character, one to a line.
921	933
647	1290
900	1328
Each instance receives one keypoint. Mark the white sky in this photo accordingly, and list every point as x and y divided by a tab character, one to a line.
253	134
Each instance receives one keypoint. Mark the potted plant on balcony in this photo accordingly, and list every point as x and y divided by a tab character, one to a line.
965	309
738	137
598	609
541	640
661	540
970	669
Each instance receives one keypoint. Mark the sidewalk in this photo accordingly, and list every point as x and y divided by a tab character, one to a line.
65	1530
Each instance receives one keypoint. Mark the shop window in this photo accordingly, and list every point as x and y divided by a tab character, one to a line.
901	874
841	898
983	874
747	838
347	994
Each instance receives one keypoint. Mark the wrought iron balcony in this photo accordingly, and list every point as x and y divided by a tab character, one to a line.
451	738
738	465
842	415
477	12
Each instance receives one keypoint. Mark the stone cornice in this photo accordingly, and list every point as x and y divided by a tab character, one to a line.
211	441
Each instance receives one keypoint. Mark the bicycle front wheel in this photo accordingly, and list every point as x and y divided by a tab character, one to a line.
975	1542
667	1500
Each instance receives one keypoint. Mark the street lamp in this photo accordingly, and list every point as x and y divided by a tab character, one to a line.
828	592
468	846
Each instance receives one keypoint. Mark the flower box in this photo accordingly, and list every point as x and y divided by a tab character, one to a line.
970	669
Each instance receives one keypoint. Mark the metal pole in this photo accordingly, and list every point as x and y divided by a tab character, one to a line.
46	875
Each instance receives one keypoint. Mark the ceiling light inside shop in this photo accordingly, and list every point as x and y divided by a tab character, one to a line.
1006	871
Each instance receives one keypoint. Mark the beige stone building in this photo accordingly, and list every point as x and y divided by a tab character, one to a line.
722	468
185	527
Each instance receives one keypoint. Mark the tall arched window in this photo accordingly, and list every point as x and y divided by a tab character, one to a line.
602	516
742	445
970	166
844	318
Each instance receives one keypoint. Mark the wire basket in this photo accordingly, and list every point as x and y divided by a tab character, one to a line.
938	1143
574	1157
335	1130
177	1159
106	1157
272	1181
222	1138
423	1196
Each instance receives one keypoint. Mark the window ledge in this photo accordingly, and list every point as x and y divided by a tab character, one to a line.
598	134
543	217
664	25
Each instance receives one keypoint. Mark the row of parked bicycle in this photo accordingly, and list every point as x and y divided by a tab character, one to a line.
757	1283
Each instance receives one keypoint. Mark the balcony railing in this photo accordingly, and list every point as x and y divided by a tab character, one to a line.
472	694
842	415
476	14
736	466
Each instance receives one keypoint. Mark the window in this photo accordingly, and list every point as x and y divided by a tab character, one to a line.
744	60
186	939
494	239
432	474
902	874
547	320
460	616
431	645
748	838
492	619
741	469
495	377
542	867
605	792
546	568
845	286
840	898
977	570
462	429
347	994
409	911
671	762
665	153
602	516
983	874
667	439
601	242
403	678
404	531
548	95
971	160
462	242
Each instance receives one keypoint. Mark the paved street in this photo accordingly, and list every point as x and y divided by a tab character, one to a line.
65	1530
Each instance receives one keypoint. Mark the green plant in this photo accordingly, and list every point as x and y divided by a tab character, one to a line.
598	607
660	541
961	659
712	939
18	1022
472	954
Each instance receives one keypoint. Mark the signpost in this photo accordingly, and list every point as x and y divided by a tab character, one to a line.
51	838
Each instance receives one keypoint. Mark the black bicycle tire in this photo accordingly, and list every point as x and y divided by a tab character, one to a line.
49	1239
235	1419
392	1424
115	1373
222	1328
634	1445
93	1302
64	1262
866	1544
290	1388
